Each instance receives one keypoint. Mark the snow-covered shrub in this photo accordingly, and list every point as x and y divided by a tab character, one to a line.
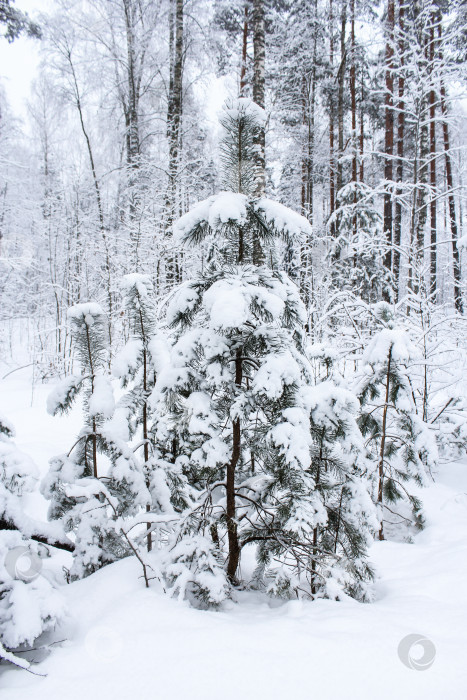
29	604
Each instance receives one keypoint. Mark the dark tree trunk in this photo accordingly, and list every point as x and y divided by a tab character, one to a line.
389	139
400	152
433	227
458	301
383	444
244	52
259	98
340	98
174	118
232	534
353	101
332	163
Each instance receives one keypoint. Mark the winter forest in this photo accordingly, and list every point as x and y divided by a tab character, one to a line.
233	349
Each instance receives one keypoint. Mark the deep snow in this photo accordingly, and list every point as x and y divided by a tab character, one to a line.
123	641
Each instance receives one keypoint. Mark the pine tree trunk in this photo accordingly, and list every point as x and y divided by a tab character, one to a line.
421	184
259	98
362	131
340	98
400	152
244	52
353	100
234	547
93	422
332	163
383	445
433	227
458	301
389	140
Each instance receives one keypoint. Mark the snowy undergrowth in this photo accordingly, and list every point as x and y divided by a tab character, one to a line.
125	641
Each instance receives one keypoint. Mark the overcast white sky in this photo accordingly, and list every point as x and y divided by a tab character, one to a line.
19	60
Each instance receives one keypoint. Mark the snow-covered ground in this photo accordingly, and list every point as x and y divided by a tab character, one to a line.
123	641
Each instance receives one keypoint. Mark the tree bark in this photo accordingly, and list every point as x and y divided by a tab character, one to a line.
400	151
458	301
232	534
389	139
332	163
383	444
340	98
353	101
259	51
244	52
433	226
174	118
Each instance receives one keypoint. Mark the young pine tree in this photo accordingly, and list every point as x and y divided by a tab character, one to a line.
234	394
398	440
137	366
87	495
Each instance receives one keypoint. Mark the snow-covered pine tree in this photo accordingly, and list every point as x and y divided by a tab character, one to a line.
22	587
137	366
235	394
399	441
339	469
88	496
357	252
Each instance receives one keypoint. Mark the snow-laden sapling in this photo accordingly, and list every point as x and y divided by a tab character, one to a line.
97	483
338	467
234	393
399	442
29	603
137	366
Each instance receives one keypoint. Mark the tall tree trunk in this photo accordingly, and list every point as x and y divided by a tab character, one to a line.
362	130
400	151
389	139
432	101
97	190
353	101
174	117
458	301
244	52
232	534
383	444
259	50
340	98
423	164
332	163
131	111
